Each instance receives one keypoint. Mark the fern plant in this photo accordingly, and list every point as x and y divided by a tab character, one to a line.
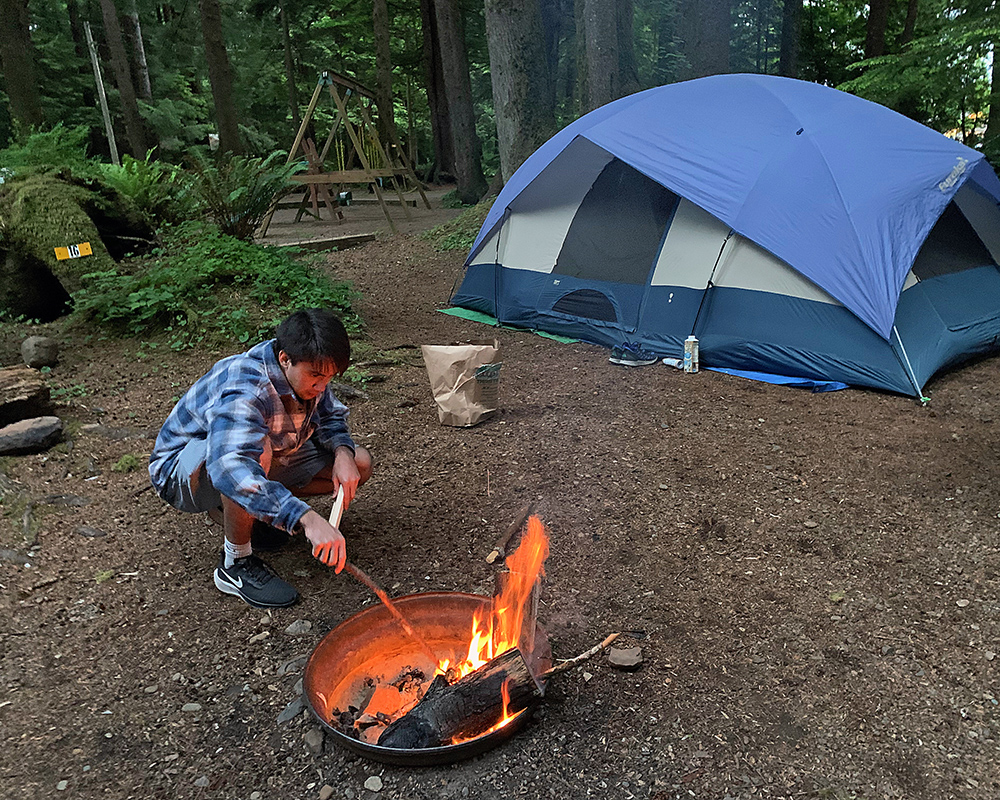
161	192
237	192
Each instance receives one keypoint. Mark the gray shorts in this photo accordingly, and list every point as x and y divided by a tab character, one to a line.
190	489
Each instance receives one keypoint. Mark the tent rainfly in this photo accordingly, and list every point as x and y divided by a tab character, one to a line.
796	230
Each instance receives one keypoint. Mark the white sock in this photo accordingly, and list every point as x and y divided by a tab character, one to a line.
234	551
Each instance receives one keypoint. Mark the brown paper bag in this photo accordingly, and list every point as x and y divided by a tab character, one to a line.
465	380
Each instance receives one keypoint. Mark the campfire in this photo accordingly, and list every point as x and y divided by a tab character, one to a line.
375	686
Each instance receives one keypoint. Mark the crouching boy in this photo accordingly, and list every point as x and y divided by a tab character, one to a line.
251	437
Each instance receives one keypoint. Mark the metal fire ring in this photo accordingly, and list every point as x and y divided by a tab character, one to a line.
372	645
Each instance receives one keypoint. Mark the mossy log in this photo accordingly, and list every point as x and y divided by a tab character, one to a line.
43	211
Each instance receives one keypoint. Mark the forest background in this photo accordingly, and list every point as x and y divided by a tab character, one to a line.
471	87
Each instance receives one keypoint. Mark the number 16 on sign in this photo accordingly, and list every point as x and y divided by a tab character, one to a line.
73	251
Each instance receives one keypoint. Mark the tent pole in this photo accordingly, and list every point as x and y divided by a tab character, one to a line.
909	369
711	279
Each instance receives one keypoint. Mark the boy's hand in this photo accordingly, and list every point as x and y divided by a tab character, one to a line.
345	473
328	543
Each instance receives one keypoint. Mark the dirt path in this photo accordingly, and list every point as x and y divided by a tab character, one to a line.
814	580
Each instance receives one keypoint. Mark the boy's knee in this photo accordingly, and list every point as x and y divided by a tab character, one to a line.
363	461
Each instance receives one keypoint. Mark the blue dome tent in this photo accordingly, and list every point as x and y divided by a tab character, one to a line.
794	229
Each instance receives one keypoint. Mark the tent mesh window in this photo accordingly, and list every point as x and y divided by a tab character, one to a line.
587	303
952	246
616	232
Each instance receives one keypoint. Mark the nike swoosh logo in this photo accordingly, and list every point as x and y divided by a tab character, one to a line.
237	582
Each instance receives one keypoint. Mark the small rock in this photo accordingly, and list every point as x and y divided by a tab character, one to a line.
664	486
325	792
314	741
152	689
61	786
374	784
202	782
962	603
40	351
292	665
299	628
990	655
625	658
292	710
811	523
259	637
87	531
255	795
587	676
191	707
265	621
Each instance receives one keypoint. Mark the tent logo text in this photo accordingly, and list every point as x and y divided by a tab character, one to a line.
956	173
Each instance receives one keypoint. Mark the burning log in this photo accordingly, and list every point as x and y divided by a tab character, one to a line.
469	707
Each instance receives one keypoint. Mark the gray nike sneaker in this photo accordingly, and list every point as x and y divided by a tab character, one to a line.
254	582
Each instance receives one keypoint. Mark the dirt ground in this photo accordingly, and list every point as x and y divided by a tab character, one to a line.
814	579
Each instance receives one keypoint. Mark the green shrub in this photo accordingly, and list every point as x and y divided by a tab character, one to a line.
161	192
237	192
59	147
205	286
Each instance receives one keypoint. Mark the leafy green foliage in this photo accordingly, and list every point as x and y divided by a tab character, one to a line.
237	192
127	463
161	192
208	287
59	147
460	232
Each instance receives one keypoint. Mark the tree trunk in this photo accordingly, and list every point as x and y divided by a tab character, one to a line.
219	76
705	27
875	28
551	13
910	25
471	183
293	94
991	138
135	128
18	57
521	83
140	69
600	21
437	100
579	79
791	32
383	72
628	69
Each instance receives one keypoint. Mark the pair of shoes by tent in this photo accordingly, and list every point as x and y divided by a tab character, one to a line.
632	355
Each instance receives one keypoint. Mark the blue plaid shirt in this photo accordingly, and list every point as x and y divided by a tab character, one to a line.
243	401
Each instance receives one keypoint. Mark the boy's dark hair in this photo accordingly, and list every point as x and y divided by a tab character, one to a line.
314	334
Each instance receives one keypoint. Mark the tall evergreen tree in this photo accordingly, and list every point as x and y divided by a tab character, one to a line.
791	33
469	178
522	100
18	57
134	126
705	27
220	76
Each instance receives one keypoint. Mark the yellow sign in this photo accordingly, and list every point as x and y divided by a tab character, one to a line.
73	251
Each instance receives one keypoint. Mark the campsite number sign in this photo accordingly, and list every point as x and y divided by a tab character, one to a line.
73	251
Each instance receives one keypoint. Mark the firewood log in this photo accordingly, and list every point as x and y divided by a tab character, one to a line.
468	707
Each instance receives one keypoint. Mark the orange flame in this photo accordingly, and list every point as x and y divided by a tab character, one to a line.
498	630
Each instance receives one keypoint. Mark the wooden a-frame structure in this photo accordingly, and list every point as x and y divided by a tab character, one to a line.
325	185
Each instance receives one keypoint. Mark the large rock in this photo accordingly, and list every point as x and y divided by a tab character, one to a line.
30	435
23	394
40	351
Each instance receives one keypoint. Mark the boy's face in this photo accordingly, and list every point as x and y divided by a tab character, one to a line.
308	379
